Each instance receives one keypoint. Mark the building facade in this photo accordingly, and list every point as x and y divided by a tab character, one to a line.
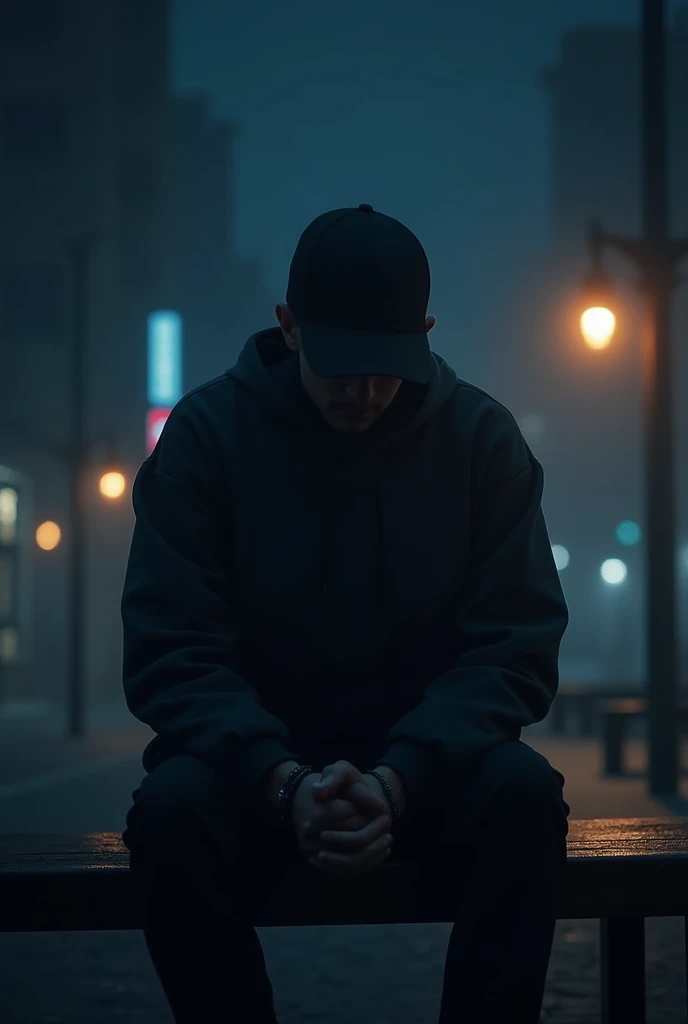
219	292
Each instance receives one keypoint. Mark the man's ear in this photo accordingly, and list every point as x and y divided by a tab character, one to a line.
292	339
288	325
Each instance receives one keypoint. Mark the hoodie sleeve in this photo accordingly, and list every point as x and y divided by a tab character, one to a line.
510	622
181	629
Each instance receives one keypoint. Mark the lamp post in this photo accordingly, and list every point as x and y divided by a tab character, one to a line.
80	259
112	483
656	255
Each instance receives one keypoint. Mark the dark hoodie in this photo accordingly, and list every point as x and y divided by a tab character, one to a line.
287	581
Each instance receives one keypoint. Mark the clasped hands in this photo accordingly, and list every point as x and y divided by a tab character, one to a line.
342	820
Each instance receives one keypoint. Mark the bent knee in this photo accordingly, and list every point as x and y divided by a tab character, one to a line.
178	799
525	774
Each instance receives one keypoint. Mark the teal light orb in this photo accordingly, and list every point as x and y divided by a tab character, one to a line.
628	533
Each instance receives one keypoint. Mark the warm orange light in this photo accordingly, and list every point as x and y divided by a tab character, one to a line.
597	326
48	536
112	485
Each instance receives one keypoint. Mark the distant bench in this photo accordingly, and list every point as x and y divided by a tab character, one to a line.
618	871
616	716
579	701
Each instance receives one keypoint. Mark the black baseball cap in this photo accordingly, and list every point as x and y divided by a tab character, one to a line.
359	285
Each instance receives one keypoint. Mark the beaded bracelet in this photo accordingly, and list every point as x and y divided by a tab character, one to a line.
388	793
288	790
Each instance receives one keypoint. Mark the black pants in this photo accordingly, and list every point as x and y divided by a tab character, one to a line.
495	835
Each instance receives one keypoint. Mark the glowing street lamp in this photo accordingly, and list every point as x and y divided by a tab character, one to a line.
598	324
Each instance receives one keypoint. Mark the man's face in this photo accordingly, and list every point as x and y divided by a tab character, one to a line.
348	404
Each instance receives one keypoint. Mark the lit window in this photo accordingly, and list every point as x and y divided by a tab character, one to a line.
8	515
9	644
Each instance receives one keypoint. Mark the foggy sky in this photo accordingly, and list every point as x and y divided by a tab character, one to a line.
429	111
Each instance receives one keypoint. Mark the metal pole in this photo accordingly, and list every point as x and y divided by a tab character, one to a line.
661	545
79	261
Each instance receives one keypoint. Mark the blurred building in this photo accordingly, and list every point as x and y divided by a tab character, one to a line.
219	294
592	403
93	141
84	105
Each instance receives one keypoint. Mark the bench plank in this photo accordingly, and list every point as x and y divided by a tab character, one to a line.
599	837
616	868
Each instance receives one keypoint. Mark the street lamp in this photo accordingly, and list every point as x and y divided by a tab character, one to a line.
656	255
598	324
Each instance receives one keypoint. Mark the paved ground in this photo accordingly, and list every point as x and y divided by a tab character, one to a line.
368	975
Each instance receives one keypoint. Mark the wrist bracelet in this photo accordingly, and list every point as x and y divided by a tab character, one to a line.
288	790
388	793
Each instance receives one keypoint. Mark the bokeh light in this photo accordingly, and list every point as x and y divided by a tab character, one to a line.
613	571
48	536
112	485
561	556
628	533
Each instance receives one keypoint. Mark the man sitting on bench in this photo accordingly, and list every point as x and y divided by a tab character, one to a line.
340	610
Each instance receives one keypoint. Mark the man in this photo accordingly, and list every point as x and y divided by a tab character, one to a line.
340	565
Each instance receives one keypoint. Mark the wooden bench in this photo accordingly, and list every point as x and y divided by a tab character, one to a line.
616	717
579	702
618	871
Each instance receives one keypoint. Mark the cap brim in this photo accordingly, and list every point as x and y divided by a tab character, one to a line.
340	352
